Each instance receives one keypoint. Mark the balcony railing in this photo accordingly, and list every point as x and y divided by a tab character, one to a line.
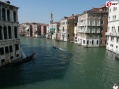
81	31
86	31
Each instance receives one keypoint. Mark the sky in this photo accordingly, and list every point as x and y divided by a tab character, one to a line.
39	10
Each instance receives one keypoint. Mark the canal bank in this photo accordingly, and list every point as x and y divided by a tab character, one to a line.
75	68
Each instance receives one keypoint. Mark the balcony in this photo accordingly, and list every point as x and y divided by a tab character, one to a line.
86	31
80	31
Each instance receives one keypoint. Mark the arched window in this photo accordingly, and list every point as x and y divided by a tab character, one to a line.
8	15
3	14
15	32
9	32
5	32
14	16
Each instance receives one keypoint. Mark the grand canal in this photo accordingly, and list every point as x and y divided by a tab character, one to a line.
71	67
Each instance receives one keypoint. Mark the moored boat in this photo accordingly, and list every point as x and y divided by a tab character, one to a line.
22	60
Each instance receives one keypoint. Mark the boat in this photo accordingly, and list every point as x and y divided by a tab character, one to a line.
22	60
55	47
117	57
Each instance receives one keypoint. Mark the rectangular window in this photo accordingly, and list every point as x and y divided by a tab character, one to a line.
97	41
83	41
109	19
102	22
16	47
88	30
15	32
10	33
0	14
92	29
88	22
11	49
5	33
98	23
118	29
6	50
92	42
93	22
87	41
1	51
98	30
1	38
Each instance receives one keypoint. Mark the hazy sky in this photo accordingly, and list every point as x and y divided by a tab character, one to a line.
39	10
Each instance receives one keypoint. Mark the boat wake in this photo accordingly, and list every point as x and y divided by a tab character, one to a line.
62	49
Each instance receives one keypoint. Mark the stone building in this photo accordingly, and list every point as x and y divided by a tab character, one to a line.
9	38
91	27
113	29
67	25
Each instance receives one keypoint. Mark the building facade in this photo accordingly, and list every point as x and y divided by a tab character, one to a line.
64	29
43	30
32	29
113	30
52	29
9	38
89	27
67	25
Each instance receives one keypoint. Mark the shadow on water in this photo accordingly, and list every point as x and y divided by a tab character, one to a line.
47	64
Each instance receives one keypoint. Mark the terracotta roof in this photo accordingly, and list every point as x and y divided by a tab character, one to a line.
99	10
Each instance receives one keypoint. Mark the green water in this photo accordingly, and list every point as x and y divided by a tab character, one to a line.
71	67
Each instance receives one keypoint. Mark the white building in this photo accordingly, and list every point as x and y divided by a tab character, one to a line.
86	29
64	29
9	38
113	30
24	29
91	27
52	29
75	35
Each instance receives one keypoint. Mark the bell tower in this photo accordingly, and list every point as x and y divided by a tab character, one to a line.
51	18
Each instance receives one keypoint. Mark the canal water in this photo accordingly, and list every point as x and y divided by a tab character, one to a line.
70	67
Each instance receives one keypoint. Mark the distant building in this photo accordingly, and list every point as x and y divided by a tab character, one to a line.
32	29
113	30
67	25
43	30
75	29
9	38
64	29
91	27
52	29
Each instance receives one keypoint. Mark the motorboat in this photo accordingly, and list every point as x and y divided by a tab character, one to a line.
55	47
